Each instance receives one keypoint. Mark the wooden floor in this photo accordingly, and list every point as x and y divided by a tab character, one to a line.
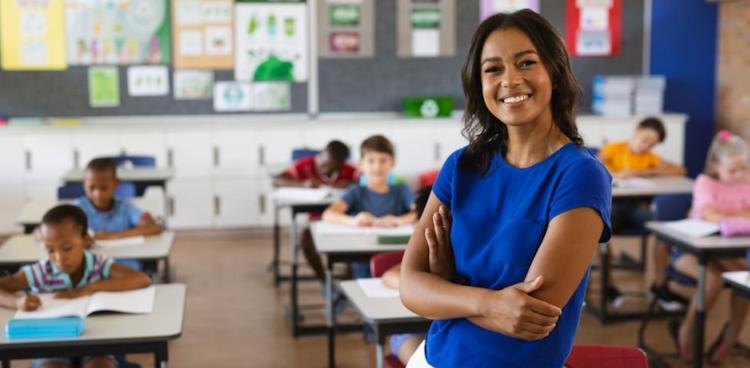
235	316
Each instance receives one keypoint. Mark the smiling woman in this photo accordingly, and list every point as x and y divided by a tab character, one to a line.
523	195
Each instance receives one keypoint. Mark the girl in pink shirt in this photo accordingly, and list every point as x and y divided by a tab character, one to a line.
721	192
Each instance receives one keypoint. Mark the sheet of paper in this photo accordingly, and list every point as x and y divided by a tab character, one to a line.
193	84
218	41
32	35
52	308
301	194
375	288
325	228
232	96
693	227
191	43
425	42
139	301
272	96
123	242
148	80
632	183
104	87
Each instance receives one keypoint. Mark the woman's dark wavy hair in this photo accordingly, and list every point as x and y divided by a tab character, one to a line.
488	135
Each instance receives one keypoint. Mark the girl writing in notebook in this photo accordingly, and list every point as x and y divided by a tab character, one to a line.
70	271
722	192
524	206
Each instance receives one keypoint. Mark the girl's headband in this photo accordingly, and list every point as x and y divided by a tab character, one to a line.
724	135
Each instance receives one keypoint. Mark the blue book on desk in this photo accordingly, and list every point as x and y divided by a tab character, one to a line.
44	327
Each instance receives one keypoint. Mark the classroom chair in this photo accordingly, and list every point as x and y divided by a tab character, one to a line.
135	160
380	263
427	178
595	356
300	153
126	189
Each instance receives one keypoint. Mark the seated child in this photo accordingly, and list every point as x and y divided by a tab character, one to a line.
329	167
110	217
377	203
404	345
629	159
71	271
722	192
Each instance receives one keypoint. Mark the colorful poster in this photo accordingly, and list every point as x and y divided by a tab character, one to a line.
33	35
150	80
193	84
425	28
271	96
232	96
203	36
271	41
346	28
593	27
117	32
488	8
104	86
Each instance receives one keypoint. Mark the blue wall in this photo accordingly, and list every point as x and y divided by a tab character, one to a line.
683	48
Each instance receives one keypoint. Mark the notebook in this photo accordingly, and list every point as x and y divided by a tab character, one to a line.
139	301
327	228
302	194
122	242
693	227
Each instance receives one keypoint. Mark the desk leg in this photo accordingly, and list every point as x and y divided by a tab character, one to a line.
379	356
276	245
700	315
167	271
294	278
330	317
6	363
603	279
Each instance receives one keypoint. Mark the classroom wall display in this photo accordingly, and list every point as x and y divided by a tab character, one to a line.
193	84
346	28
593	27
271	41
151	80
488	8
232	96
271	96
202	31
104	86
426	28
33	35
117	31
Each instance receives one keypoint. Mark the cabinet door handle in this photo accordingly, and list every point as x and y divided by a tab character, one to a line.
217	205
262	204
217	159
170	204
28	160
76	159
437	151
170	157
261	155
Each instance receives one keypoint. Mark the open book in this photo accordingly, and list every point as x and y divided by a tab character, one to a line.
122	242
327	228
693	227
302	194
139	301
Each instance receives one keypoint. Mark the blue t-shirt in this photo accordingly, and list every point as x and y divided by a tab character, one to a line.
396	201
499	221
123	215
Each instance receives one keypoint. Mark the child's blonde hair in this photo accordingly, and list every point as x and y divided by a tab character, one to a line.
725	144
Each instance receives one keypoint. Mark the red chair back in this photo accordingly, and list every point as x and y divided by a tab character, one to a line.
591	356
382	262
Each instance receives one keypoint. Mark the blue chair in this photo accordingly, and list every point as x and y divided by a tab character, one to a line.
126	189
300	153
136	161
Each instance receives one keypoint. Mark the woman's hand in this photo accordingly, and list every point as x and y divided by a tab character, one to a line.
28	302
442	263
513	312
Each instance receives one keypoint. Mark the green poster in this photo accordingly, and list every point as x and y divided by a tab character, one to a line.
344	14
104	87
425	18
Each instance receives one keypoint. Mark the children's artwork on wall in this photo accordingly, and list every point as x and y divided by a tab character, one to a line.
117	32
488	8
593	27
152	80
202	32
271	41
193	84
33	35
426	28
271	96
232	96
104	86
346	28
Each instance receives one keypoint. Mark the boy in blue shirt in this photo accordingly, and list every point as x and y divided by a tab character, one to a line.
110	217
377	203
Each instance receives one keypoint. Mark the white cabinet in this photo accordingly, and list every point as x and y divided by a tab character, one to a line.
190	153
448	139
144	142
416	148
276	144
12	168
235	154
87	146
237	202
191	203
48	155
11	201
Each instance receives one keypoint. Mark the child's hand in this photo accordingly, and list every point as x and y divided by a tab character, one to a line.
386	221
626	174
311	183
364	219
105	235
75	293
28	302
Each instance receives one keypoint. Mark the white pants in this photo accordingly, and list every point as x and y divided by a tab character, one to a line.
418	359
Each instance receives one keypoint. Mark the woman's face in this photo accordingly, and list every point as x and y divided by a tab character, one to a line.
515	83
